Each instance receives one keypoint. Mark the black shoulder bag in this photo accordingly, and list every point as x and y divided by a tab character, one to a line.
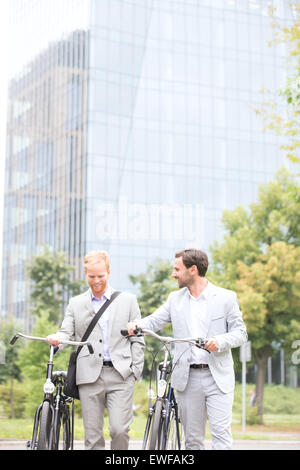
70	387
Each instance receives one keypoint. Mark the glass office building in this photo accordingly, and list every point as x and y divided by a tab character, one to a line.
131	127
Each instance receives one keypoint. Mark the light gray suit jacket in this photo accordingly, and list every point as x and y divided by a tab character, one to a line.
127	355
225	324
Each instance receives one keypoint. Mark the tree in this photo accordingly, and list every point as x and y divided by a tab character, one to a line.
281	113
269	293
264	273
51	284
9	370
154	287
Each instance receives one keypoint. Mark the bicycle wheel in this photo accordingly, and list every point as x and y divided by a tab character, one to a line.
45	424
174	432
156	425
63	429
147	433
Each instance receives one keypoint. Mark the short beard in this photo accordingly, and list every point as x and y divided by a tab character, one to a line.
183	284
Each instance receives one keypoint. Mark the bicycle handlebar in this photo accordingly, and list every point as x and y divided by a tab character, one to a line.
198	342
36	338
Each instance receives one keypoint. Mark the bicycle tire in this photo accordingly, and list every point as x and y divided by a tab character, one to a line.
147	433
62	429
156	426
43	442
163	431
173	433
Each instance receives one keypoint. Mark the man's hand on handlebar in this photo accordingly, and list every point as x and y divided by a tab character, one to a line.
132	326
211	344
54	340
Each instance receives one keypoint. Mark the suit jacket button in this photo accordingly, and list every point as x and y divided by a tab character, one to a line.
100	340
100	355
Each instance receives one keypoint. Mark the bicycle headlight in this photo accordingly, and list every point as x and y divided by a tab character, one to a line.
48	386
161	387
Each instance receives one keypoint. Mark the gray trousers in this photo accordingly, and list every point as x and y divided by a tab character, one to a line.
201	399
110	391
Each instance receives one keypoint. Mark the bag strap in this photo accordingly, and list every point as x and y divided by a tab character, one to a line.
96	318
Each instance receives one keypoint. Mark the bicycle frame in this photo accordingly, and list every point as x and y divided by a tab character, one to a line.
61	401
162	383
165	400
171	403
167	395
56	401
49	389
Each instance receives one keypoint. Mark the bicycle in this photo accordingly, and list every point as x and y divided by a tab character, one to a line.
163	429
53	427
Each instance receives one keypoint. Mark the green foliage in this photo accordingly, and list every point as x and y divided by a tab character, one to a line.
34	357
12	397
154	285
252	415
278	400
33	363
260	259
282	405
51	284
26	361
9	370
275	216
282	400
140	398
287	123
269	291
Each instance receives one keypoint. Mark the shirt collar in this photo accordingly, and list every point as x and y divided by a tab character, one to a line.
106	296
207	291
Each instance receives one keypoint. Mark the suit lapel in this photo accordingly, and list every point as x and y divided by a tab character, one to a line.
111	312
211	301
88	312
88	304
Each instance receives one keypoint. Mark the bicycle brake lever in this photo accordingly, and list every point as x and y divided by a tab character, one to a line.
138	332
127	335
200	343
14	339
124	332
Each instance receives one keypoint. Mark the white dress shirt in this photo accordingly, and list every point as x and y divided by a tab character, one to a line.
198	323
104	319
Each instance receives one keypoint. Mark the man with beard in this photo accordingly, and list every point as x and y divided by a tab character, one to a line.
204	378
106	378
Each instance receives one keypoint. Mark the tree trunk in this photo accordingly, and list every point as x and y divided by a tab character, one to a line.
261	356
